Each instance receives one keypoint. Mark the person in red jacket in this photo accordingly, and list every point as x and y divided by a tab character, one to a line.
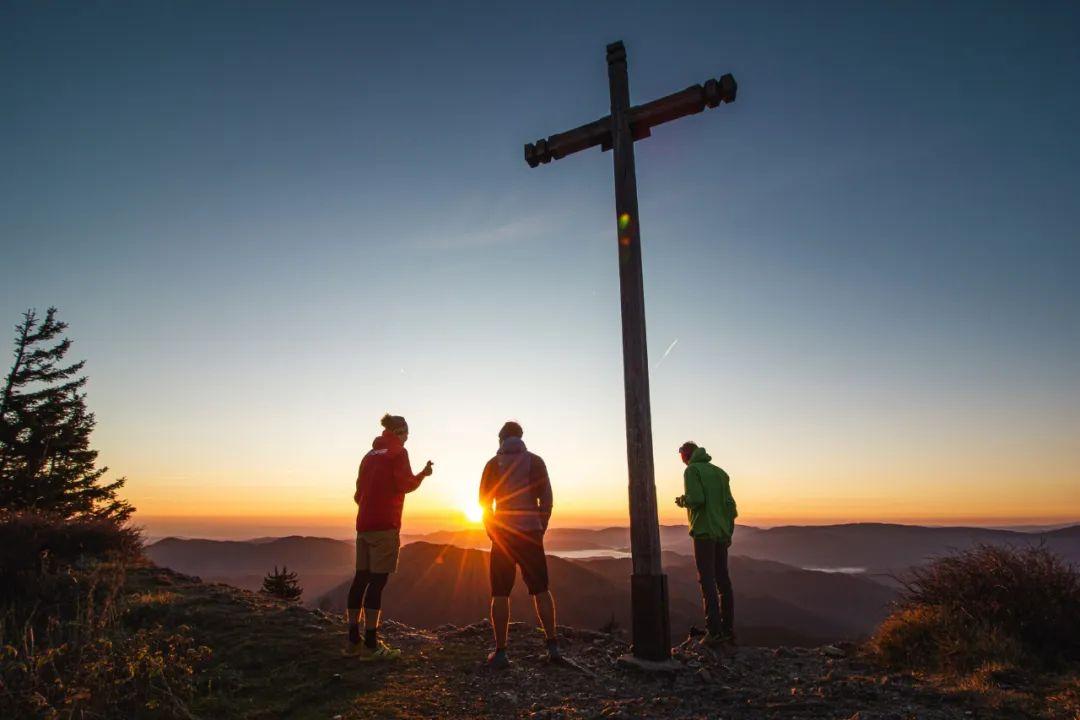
385	476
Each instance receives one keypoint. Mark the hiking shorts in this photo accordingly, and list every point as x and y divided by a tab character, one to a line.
510	550
377	550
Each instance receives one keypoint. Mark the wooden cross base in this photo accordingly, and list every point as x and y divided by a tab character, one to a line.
651	619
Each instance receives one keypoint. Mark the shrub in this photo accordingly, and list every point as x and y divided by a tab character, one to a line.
35	546
69	647
990	604
282	584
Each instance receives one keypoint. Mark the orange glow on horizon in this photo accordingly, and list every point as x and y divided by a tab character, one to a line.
457	519
217	500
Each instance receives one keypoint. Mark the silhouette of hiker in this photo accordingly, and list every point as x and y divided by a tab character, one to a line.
385	476
711	510
516	482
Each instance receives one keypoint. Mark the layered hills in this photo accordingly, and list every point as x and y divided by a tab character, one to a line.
793	585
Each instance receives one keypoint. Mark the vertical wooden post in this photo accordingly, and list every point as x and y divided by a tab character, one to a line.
649	594
618	131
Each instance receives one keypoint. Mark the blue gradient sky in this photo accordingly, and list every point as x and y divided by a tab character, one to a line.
269	223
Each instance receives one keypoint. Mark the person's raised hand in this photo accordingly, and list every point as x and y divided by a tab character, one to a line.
427	469
681	501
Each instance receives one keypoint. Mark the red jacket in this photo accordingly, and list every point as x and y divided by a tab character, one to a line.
384	477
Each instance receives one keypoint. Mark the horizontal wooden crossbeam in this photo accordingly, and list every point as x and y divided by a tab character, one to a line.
643	118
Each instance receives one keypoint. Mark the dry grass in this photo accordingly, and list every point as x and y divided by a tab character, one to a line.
33	545
66	648
996	624
1017	607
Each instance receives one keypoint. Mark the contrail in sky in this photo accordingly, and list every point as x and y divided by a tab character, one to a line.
666	353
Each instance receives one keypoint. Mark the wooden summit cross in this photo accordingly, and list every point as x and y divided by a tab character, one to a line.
618	131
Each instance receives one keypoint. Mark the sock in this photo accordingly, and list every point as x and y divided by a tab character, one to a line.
354	633
370	638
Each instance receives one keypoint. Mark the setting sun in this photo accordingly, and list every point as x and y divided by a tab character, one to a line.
473	512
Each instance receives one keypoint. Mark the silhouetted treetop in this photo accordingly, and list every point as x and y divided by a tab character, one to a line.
46	462
282	584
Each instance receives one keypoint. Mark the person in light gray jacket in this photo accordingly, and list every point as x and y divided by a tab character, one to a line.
515	493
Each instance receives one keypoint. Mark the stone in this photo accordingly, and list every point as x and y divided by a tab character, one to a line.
630	662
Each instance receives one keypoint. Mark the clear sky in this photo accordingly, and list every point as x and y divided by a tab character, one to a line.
269	223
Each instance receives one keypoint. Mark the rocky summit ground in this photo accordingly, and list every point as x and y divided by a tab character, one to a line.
273	659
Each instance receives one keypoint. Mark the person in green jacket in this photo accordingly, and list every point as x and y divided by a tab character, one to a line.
711	510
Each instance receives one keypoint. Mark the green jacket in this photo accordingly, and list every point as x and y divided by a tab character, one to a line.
709	503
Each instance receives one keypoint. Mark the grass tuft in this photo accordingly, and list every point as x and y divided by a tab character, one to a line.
990	607
66	648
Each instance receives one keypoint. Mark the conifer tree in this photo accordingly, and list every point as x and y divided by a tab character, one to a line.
46	462
282	585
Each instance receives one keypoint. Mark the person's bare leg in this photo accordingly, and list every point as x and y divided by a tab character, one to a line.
500	620
545	613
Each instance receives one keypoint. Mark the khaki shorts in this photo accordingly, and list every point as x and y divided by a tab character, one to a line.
377	550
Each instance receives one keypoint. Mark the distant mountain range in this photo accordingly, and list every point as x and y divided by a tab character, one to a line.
443	576
776	604
879	547
672	537
886	547
319	562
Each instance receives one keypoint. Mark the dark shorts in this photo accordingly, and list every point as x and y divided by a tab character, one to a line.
508	551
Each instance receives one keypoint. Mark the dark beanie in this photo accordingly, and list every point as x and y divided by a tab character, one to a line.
394	422
510	429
